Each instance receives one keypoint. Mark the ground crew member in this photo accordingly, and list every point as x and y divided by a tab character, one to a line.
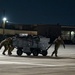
57	43
10	44
7	43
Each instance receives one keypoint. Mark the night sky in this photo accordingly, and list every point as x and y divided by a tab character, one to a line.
38	11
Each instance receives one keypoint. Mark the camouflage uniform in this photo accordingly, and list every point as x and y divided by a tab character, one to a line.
57	43
7	43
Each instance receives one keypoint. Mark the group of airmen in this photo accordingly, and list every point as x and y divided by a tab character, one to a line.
8	45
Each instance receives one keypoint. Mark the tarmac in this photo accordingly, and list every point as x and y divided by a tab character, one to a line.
64	64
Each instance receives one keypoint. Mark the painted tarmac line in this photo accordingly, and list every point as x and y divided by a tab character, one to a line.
35	64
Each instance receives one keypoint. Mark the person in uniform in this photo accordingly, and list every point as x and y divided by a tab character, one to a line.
57	43
8	45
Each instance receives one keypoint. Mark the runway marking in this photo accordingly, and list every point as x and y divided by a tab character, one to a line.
35	64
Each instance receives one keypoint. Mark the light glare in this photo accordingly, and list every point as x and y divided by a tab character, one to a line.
4	19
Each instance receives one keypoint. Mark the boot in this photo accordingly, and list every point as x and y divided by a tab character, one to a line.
3	53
